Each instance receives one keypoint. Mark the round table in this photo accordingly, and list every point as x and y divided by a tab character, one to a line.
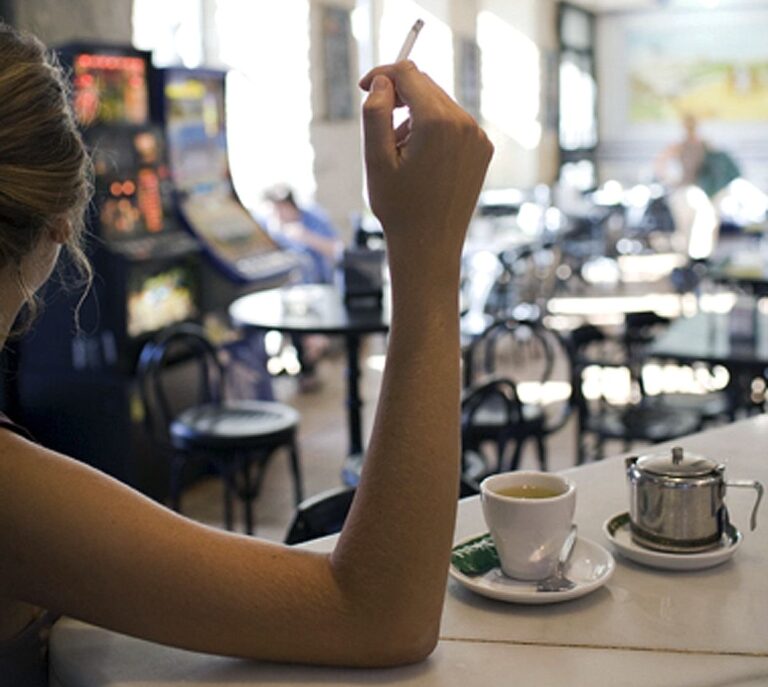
319	309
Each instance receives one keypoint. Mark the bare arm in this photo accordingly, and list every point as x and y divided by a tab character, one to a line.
78	542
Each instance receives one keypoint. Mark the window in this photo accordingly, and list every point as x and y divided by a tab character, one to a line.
265	45
269	103
171	29
511	79
577	111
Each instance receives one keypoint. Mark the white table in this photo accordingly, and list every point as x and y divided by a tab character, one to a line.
645	627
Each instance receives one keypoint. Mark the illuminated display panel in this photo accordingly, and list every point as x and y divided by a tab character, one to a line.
158	298
110	89
196	130
134	196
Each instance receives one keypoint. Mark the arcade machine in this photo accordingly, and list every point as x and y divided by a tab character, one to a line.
241	257
76	381
190	104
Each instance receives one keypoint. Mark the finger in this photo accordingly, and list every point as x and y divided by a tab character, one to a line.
412	86
379	136
384	70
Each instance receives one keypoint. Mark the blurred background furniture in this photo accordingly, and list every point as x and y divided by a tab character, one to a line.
319	309
190	419
616	408
519	391
320	515
736	340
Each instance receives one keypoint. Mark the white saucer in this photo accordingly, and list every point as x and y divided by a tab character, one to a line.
616	530
590	567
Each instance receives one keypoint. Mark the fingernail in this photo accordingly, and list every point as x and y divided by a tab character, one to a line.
380	83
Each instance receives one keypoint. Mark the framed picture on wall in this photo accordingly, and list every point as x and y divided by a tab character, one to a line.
718	72
337	68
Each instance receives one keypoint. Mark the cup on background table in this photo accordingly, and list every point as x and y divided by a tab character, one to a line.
529	516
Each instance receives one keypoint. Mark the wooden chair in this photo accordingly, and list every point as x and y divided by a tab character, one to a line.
182	382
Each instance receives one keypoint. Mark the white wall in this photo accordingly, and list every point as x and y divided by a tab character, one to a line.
337	166
627	149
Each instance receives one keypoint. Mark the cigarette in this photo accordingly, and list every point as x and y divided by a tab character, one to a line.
410	39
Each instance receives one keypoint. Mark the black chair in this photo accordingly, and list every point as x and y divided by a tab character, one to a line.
320	515
182	382
640	418
325	513
509	357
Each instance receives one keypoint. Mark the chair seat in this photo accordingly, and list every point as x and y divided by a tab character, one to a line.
492	415
233	425
653	424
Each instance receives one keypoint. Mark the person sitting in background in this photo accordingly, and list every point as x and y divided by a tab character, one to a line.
77	542
305	231
309	234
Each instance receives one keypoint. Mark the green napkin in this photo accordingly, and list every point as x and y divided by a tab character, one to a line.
475	556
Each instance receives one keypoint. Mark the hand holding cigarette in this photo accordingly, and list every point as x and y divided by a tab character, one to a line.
424	176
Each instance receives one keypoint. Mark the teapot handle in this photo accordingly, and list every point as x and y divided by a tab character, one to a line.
750	484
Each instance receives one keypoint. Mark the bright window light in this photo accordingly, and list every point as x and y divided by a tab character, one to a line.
511	80
171	29
269	99
433	52
578	93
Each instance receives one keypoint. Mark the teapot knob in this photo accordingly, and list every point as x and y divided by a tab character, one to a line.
677	455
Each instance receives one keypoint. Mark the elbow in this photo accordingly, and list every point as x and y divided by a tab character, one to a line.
394	643
410	650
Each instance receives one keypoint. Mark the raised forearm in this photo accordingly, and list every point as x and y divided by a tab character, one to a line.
394	550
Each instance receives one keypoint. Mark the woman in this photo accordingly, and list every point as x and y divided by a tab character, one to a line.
76	542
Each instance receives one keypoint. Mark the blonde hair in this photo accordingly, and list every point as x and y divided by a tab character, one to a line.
45	171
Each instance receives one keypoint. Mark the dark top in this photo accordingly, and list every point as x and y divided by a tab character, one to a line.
24	658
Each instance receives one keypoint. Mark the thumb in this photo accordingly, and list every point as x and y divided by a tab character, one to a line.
379	134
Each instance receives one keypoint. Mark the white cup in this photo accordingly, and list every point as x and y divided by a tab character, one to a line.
528	531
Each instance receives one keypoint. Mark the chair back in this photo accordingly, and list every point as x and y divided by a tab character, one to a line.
320	515
178	369
509	348
534	355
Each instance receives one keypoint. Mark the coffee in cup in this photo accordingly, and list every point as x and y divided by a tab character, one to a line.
529	515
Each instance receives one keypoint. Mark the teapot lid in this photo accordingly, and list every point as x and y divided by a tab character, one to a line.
677	464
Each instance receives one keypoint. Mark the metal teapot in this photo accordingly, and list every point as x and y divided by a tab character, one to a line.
676	502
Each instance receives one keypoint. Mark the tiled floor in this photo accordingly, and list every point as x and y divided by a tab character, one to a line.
323	443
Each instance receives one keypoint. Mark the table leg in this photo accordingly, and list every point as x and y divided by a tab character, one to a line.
353	464
354	402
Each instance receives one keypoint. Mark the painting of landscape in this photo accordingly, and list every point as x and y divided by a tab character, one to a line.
719	73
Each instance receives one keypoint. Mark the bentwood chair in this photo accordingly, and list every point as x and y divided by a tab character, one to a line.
325	513
519	392
182	381
320	515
